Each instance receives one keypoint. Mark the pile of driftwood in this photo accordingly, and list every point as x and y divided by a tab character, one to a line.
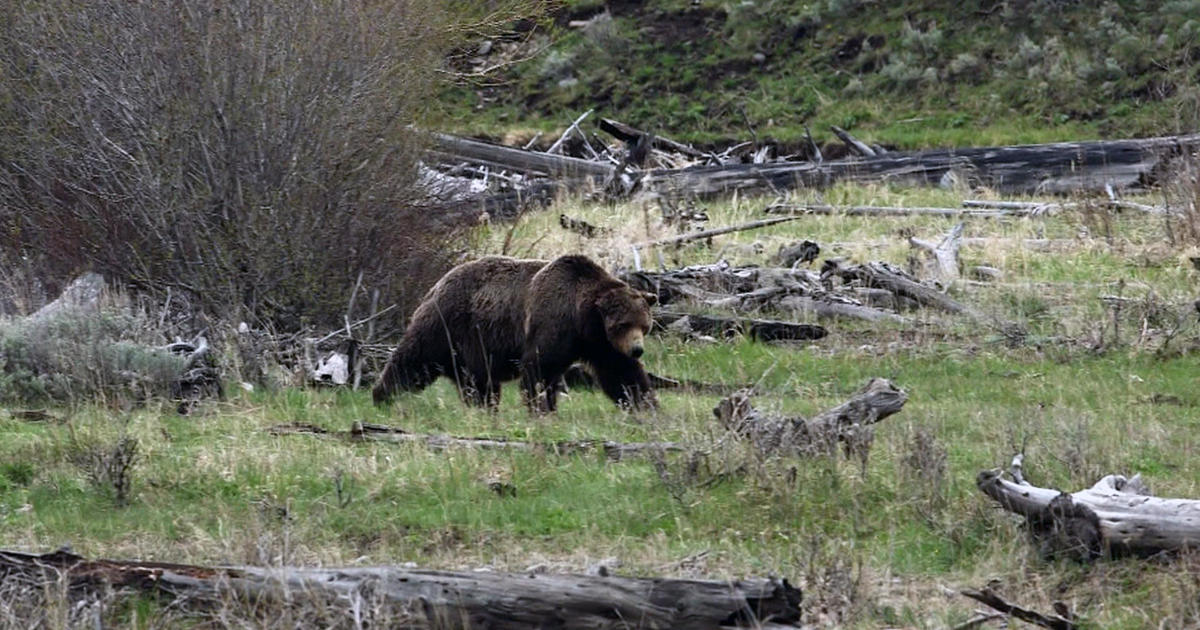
873	292
502	180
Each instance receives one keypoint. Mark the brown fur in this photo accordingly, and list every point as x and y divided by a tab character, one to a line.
497	318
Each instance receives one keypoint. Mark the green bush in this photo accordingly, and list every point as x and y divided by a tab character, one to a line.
75	355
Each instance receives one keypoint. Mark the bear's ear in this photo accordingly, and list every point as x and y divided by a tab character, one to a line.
651	298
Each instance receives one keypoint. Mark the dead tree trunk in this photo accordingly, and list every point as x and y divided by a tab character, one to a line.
848	423
1059	168
439	599
944	252
1115	516
454	149
882	275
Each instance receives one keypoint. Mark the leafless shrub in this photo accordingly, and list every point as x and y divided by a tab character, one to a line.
836	590
925	465
1181	192
108	464
255	156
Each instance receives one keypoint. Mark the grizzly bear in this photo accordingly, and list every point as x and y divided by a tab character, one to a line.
497	318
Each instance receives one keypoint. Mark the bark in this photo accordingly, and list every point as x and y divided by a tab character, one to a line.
440	599
1115	516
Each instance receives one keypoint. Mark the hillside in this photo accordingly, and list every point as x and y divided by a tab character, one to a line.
903	74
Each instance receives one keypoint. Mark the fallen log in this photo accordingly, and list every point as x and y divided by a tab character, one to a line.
760	329
883	275
418	598
827	308
581	227
454	149
848	423
746	288
366	432
627	134
1116	516
854	144
893	211
1058	168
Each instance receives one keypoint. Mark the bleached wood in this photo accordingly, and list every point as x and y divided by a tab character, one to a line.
441	599
1128	518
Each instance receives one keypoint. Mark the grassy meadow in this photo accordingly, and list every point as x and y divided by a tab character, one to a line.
888	542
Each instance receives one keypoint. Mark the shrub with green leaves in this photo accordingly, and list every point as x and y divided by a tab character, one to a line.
76	355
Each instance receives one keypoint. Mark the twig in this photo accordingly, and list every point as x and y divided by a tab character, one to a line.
978	620
353	325
554	148
988	597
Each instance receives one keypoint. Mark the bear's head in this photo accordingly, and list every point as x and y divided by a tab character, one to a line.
626	314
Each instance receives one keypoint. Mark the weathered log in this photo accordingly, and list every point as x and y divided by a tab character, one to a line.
826	308
800	252
626	133
891	211
1059	168
456	149
746	288
1115	516
366	432
883	275
760	329
944	252
417	598
984	273
855	145
847	423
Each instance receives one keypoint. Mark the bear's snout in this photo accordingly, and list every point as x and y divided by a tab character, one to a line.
637	351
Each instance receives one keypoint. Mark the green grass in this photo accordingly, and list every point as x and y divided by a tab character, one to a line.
218	487
972	73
